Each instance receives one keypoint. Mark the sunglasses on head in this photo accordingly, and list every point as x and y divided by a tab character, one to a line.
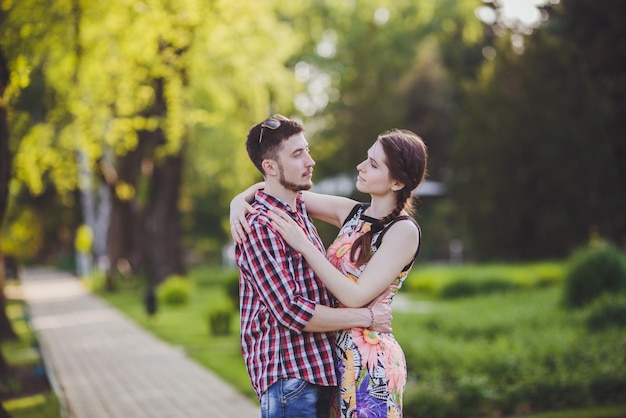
272	123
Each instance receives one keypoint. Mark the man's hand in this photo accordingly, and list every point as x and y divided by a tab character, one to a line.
382	313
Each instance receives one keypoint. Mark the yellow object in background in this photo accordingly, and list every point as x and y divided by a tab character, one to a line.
84	239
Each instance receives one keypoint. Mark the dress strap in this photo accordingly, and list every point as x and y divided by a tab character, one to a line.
358	208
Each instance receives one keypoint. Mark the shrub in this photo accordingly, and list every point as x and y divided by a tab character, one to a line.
458	289
425	403
592	271
174	291
607	311
471	393
219	319
606	389
232	288
496	285
464	287
548	276
546	395
219	322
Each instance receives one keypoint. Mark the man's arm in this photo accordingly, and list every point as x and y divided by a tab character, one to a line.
327	319
377	317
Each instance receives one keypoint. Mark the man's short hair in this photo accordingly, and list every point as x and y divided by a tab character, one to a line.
264	143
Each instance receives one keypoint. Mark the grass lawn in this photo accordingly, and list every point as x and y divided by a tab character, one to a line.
452	332
603	412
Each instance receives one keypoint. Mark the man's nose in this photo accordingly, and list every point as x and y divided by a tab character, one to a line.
311	161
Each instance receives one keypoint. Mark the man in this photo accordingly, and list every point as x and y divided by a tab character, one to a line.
287	317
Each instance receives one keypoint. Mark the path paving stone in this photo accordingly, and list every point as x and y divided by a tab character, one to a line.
103	365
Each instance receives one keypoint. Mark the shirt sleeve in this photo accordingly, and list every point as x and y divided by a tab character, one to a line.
273	274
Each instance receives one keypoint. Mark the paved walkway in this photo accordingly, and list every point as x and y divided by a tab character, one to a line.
103	365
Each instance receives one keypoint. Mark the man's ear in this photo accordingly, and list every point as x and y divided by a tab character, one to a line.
269	166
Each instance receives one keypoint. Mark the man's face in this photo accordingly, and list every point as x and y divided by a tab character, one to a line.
295	165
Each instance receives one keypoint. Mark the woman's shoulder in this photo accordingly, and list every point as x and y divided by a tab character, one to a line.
403	229
405	225
406	221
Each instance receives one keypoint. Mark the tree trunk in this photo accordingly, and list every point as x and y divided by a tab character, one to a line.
124	233
161	226
148	234
6	330
122	241
163	252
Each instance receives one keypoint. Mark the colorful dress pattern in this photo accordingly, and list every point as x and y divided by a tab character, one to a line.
371	364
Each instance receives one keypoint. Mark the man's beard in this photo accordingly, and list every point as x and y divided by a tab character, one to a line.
289	185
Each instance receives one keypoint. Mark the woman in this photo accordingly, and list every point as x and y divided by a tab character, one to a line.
373	253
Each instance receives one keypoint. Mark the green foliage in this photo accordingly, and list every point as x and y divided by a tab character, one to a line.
505	353
409	73
608	389
494	354
617	411
219	320
220	315
96	281
175	291
593	270
464	288
449	281
23	353
208	276
232	288
22	237
608	310
35	406
520	196
94	79
424	402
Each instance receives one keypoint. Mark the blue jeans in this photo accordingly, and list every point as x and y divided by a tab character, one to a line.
295	398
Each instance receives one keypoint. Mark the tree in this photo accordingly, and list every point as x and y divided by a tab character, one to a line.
534	159
154	100
596	29
6	330
370	67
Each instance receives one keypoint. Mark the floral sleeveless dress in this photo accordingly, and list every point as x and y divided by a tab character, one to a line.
371	365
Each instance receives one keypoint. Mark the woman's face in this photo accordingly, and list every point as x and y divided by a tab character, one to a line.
374	176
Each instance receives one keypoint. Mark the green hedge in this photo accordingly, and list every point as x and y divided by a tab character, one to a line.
444	281
499	354
508	353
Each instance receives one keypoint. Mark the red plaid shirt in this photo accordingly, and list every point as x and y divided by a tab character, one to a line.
278	292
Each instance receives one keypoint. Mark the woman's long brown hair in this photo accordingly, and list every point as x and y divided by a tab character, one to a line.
406	157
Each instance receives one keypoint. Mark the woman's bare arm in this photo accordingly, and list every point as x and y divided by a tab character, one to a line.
396	251
328	208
